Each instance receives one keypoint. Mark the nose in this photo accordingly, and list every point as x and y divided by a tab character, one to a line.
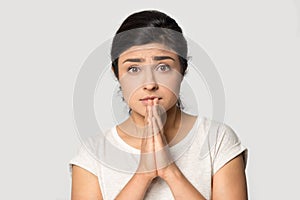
150	81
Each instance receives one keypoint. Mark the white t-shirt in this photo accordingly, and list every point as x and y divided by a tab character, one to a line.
199	155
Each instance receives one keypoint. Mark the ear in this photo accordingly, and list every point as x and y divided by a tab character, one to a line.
114	74
181	78
112	69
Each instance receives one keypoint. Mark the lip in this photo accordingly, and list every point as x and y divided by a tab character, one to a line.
145	100
150	98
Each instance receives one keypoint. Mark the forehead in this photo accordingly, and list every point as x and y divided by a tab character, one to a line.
147	50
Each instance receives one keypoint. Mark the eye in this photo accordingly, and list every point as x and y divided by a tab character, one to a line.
133	69
163	68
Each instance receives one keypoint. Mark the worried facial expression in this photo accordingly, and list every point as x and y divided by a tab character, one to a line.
147	72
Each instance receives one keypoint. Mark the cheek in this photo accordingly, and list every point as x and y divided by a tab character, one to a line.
170	98
171	82
129	86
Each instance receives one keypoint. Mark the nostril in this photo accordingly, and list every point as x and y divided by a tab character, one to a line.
151	86
155	87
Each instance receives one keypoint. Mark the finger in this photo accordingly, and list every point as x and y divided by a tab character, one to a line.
147	156
155	126
144	130
157	115
158	141
146	116
159	124
162	154
149	109
147	120
146	140
158	119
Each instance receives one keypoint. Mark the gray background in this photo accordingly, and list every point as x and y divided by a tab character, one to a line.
254	45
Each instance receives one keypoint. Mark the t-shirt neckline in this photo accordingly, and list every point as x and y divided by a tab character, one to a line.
175	148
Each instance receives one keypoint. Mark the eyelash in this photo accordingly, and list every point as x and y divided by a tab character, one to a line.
158	66
132	67
164	65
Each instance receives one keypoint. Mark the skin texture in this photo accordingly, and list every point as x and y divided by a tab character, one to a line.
140	75
154	71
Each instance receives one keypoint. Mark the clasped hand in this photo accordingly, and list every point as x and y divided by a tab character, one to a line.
155	158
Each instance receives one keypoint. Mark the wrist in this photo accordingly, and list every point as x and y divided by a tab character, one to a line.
171	174
144	177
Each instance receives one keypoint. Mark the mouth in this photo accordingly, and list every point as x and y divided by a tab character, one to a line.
150	98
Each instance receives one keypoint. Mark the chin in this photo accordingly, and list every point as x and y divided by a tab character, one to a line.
138	111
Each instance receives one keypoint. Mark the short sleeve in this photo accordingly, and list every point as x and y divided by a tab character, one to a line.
85	160
227	147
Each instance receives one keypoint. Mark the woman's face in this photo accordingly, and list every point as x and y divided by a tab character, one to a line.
149	71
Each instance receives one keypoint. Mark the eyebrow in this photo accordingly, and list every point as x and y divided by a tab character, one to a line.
156	58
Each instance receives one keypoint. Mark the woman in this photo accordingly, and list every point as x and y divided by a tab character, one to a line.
180	156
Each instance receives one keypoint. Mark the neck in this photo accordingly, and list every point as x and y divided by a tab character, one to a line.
173	119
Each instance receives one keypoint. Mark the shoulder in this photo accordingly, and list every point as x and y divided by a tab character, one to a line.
215	130
93	143
87	155
219	141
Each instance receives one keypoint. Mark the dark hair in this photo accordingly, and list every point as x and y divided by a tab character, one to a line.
146	27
